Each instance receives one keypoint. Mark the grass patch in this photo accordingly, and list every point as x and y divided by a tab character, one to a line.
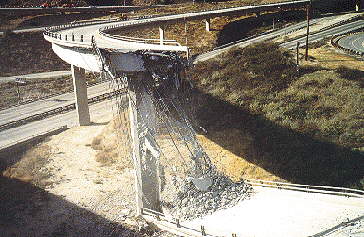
30	166
247	76
113	143
28	53
305	127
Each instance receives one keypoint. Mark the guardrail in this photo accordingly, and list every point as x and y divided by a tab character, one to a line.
51	31
348	192
173	225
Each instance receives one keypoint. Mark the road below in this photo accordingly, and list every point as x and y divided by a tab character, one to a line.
70	119
343	29
277	212
40	75
40	106
315	36
354	42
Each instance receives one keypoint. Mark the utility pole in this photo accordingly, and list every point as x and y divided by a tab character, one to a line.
297	54
273	23
308	9
186	36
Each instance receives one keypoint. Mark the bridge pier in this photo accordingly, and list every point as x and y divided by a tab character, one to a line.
145	153
208	24
80	89
161	34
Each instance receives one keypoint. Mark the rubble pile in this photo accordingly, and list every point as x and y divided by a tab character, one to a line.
190	202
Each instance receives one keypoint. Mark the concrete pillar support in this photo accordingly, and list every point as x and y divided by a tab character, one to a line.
208	23
80	89
161	34
145	154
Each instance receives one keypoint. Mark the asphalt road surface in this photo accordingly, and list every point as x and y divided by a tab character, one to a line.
41	75
355	42
40	106
349	27
343	29
70	119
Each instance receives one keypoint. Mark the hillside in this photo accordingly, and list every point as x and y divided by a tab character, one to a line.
304	127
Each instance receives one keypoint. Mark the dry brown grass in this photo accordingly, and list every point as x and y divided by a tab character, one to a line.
306	126
328	57
28	53
234	164
112	144
223	29
29	167
198	40
199	6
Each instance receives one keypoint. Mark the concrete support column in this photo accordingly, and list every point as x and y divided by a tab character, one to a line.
161	34
145	151
80	89
208	22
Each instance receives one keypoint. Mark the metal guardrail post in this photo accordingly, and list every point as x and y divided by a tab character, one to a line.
203	231
178	224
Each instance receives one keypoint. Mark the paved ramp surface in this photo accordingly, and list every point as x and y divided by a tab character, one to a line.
354	42
283	213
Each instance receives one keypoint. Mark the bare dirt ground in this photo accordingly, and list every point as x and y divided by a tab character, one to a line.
76	194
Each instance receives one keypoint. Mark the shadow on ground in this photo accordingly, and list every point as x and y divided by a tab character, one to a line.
29	211
246	27
292	156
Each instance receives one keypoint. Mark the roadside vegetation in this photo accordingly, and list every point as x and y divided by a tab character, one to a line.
28	53
113	143
305	126
29	167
